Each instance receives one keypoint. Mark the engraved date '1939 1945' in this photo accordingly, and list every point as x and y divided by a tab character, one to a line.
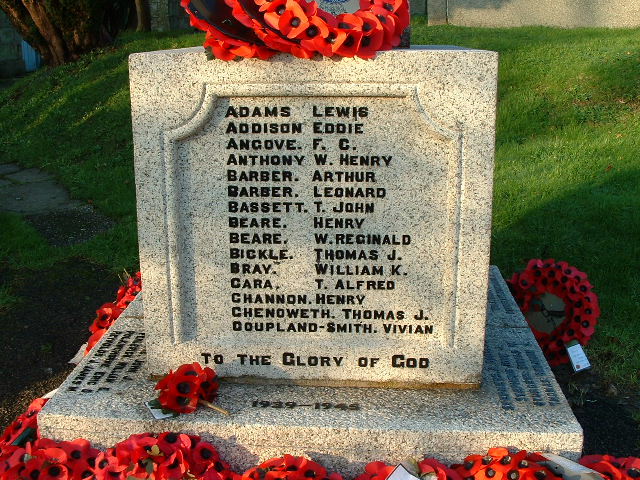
315	405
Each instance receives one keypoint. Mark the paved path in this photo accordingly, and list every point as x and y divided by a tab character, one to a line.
46	205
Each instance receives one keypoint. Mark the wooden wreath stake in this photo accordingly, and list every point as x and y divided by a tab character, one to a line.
213	406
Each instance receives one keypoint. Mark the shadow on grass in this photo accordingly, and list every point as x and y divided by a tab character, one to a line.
594	227
43	330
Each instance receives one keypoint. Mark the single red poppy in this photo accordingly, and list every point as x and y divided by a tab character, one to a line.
134	283
135	448
293	21
376	471
211	474
178	403
631	463
126	299
301	52
180	390
391	35
275	41
317	28
127	293
204	454
34	466
20	426
81	470
353	30
305	467
10	457
274	10
372	35
53	454
608	470
329	43
107	466
218	49
105	316
55	471
78	452
169	442
433	466
94	339
173	466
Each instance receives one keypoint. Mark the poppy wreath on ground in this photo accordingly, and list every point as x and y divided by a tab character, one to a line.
612	468
142	456
110	311
181	391
25	455
25	427
558	303
172	456
428	468
289	467
376	471
500	464
262	28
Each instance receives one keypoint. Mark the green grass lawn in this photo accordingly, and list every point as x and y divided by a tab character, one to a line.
567	181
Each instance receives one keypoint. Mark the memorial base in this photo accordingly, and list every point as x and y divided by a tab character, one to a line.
519	404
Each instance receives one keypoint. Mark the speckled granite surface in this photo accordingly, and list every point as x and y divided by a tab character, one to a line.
412	147
519	404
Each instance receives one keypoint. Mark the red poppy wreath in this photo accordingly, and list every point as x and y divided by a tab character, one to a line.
191	384
262	28
558	303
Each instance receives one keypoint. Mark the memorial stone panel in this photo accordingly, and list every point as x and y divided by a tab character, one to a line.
322	222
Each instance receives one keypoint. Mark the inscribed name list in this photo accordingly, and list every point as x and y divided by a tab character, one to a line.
323	238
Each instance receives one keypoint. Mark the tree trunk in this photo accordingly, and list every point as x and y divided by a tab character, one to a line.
59	52
144	16
61	31
21	21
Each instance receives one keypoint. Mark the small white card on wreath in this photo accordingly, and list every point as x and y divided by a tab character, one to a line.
401	473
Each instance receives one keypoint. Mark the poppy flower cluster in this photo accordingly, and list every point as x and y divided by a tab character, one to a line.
262	28
173	456
376	471
289	468
190	384
110	311
25	427
168	455
427	468
613	468
45	459
573	288
501	464
143	456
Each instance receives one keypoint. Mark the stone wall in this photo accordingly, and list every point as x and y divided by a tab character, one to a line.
167	15
554	13
11	63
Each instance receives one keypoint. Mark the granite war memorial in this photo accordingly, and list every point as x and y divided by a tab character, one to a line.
318	232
